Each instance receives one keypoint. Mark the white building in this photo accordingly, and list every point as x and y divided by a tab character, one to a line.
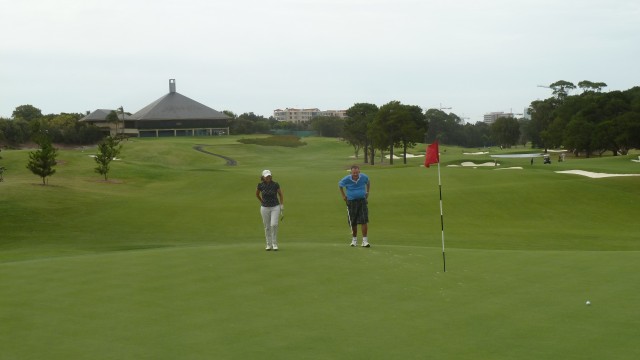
304	115
490	118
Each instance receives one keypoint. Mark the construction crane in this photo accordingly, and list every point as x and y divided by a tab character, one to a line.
544	86
444	108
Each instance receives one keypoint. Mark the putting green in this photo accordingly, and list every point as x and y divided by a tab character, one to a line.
321	301
166	260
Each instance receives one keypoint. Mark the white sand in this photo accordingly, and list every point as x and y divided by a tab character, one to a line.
395	157
95	156
471	163
592	174
476	153
511	168
517	155
400	157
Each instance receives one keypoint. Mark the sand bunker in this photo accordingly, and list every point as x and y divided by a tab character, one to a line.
593	174
517	155
557	151
477	153
511	168
400	157
472	164
113	158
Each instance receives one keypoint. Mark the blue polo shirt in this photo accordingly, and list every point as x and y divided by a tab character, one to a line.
355	189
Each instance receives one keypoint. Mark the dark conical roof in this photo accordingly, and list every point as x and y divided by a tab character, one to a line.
175	106
101	115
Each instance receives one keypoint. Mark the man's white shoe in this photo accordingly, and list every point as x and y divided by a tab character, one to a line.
365	244
268	248
354	243
275	247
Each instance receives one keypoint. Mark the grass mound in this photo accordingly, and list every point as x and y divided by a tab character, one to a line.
275	140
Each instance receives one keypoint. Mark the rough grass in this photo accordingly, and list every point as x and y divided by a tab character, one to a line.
276	140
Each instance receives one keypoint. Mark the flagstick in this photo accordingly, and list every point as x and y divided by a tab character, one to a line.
444	260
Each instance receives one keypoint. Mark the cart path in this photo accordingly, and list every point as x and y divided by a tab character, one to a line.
230	161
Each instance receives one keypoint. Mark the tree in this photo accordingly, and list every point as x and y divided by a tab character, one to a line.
578	136
476	135
387	126
1	169
561	88
327	126
15	132
356	127
413	130
250	123
506	131
437	124
42	161
542	114
524	131
112	118
618	134
587	85
108	150
26	113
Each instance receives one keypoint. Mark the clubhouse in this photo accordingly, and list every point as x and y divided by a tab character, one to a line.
171	115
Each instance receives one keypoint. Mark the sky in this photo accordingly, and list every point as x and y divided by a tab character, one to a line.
469	57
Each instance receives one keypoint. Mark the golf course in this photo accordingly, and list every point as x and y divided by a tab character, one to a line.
166	258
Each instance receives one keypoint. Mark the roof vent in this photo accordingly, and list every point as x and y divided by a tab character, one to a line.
172	85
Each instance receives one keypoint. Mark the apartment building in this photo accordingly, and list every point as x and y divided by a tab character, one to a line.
304	115
490	118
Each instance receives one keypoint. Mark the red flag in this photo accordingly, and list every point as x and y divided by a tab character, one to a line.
432	156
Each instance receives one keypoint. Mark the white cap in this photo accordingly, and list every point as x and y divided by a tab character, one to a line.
266	173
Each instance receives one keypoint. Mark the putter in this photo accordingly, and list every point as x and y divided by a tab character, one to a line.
281	215
349	219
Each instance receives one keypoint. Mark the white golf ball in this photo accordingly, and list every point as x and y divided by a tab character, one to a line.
588	302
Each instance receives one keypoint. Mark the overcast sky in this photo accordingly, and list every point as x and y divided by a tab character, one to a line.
473	56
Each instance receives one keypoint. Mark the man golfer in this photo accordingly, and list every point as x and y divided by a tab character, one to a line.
357	186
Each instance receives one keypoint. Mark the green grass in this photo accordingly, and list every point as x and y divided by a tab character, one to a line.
276	140
166	260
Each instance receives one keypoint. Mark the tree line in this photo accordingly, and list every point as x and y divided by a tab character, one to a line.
28	121
587	123
592	122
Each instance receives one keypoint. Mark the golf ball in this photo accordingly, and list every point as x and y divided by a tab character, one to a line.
588	302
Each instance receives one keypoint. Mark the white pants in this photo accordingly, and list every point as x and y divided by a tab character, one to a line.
270	217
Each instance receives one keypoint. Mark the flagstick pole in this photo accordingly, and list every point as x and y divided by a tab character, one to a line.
444	260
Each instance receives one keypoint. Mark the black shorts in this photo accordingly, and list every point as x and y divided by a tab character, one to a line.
358	212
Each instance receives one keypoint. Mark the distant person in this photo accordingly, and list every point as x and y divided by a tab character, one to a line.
357	187
268	192
531	161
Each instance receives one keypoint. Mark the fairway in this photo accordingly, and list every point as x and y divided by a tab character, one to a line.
166	260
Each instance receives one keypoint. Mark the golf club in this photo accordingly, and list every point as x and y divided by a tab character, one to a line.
349	219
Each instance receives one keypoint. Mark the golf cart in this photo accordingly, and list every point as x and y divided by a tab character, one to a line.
547	159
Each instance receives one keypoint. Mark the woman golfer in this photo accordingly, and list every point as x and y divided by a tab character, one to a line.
268	192
357	185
